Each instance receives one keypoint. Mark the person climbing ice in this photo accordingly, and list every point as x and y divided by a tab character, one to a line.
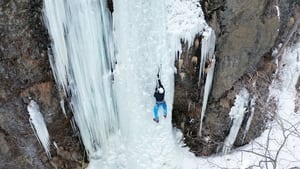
159	95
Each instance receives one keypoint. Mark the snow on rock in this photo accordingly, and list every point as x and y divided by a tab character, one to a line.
38	126
283	90
184	16
185	20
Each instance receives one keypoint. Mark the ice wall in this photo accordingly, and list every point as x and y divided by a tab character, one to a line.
82	47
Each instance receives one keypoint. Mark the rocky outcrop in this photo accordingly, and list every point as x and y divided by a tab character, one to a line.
25	74
248	31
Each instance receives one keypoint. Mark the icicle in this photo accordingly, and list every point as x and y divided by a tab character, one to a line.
82	61
207	53
62	105
207	88
252	108
55	19
278	11
236	114
207	49
38	126
55	145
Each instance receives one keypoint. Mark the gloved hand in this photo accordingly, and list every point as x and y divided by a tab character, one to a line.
157	75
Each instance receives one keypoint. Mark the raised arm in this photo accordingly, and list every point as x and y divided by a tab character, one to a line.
159	84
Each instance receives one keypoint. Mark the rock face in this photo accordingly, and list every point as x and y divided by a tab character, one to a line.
186	106
25	73
249	30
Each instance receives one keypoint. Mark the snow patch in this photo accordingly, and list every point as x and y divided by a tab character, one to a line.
185	20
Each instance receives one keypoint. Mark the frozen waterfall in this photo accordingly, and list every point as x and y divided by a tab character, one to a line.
120	112
82	46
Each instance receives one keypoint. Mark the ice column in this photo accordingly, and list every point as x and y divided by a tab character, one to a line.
207	55
236	114
207	88
207	48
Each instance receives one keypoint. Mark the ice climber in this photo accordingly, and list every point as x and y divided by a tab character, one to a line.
159	95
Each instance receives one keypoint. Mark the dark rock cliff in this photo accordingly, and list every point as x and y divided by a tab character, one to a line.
25	73
248	31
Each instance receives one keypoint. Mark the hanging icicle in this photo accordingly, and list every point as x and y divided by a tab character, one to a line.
207	49
207	56
236	114
207	88
82	60
38	126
